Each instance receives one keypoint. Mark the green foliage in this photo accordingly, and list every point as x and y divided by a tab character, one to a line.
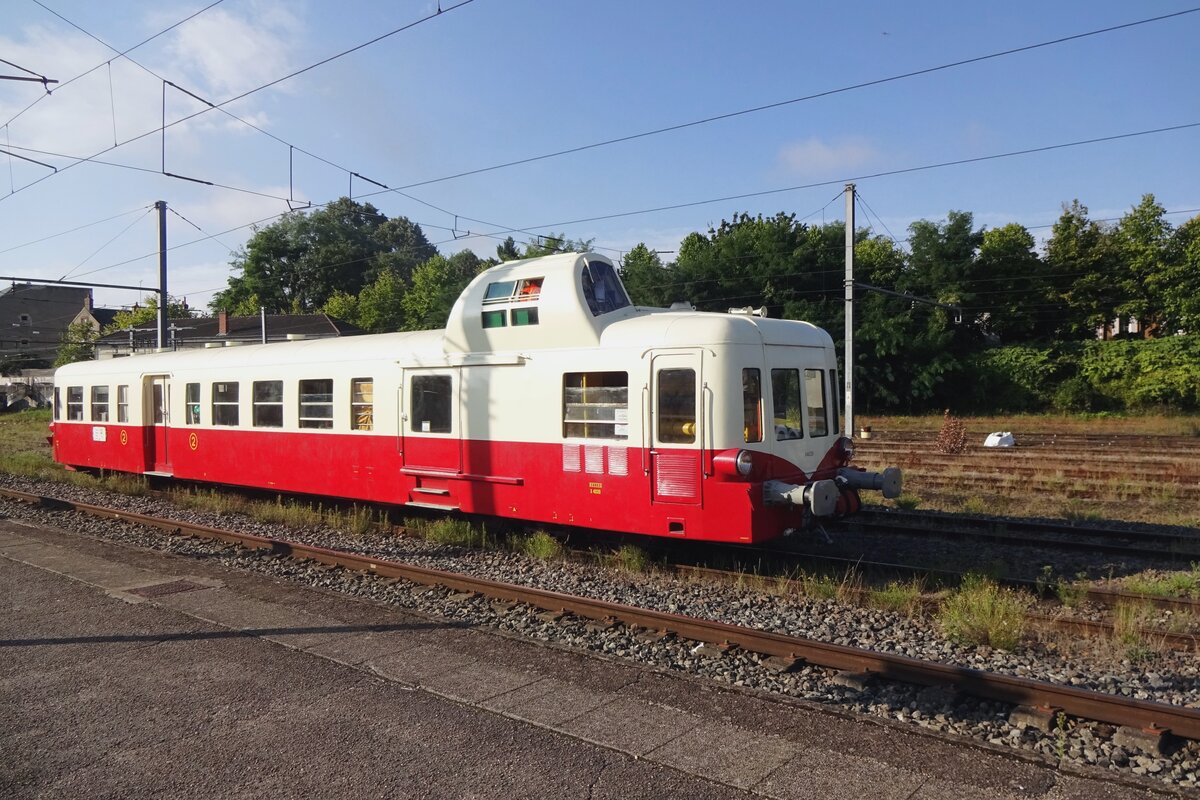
981	612
436	284
646	279
299	262
78	344
1115	375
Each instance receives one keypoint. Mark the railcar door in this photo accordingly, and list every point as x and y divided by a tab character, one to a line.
676	431
430	421
156	419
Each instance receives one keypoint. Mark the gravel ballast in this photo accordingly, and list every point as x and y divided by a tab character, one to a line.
1167	677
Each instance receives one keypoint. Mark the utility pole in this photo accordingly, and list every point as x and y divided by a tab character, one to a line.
161	205
848	349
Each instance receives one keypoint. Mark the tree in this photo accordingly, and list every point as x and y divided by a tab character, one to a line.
1082	272
507	250
381	304
436	285
1181	284
78	344
299	262
1013	289
1143	240
645	278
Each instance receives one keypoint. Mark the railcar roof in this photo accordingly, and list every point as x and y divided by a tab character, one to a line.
662	328
418	345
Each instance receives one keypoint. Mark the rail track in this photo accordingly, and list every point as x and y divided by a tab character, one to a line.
1181	721
1142	541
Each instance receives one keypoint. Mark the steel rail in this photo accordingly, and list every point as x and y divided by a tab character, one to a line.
1163	546
1098	706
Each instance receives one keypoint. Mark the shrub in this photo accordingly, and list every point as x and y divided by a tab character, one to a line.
952	438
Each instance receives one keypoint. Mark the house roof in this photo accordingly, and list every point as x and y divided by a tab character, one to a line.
247	328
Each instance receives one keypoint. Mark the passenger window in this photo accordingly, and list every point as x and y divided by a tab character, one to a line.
75	403
499	292
752	405
268	404
362	404
123	403
596	405
785	396
316	403
677	406
225	404
192	394
99	404
431	395
814	390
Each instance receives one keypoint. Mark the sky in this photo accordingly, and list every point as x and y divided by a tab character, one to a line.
489	82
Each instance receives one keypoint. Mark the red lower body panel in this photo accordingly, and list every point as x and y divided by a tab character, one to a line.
604	486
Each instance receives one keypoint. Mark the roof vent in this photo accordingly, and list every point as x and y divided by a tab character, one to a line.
681	305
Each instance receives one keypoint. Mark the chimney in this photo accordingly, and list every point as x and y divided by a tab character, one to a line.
222	323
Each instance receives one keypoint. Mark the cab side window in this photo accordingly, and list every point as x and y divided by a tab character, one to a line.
814	391
785	396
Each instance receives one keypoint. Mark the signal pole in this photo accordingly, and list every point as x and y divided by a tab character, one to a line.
848	349
161	205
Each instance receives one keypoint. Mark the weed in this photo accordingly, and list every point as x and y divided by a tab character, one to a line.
1127	622
1060	734
904	597
976	505
907	502
820	586
982	612
632	558
540	545
1171	584
210	500
454	532
359	520
293	515
1071	593
1077	510
132	485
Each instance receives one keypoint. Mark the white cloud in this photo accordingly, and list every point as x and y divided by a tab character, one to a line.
815	158
227	54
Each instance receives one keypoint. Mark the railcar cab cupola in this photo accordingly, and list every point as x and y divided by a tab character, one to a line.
557	301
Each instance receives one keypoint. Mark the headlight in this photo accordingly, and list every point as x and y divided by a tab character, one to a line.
745	462
847	447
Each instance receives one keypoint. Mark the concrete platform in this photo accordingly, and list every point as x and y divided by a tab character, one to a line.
241	686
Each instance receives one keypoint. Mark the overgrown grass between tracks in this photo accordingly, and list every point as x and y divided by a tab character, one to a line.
982	612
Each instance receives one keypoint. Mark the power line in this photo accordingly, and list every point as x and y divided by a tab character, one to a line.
72	230
106	244
857	178
212	106
805	98
98	66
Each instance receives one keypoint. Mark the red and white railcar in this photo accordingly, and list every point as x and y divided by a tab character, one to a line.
548	397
